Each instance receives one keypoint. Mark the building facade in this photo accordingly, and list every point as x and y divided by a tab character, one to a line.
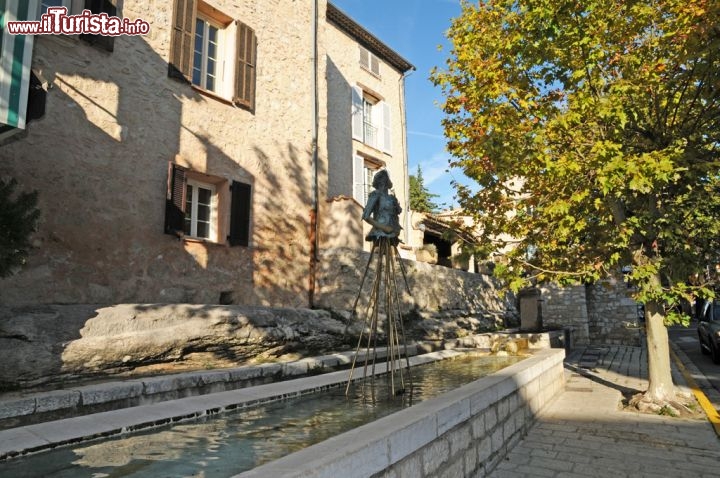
201	162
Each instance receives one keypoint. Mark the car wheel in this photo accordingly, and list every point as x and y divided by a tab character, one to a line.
715	353
703	349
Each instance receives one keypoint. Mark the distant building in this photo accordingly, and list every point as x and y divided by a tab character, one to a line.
204	162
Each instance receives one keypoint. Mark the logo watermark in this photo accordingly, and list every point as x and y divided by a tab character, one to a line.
57	22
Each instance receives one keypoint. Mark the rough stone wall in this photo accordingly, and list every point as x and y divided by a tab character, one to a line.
612	314
99	159
434	289
56	343
566	307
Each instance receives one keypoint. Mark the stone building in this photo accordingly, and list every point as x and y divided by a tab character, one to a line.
208	161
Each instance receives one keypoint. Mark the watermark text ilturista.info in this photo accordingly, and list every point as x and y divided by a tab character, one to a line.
57	22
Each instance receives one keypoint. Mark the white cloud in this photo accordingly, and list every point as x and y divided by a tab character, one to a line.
435	168
427	135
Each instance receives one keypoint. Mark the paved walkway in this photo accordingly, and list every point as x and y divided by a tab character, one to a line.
585	434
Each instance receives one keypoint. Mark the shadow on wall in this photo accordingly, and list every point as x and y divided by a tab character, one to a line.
100	237
99	159
120	120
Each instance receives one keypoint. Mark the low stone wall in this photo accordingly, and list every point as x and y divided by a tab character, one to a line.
433	288
566	308
463	433
599	313
612	314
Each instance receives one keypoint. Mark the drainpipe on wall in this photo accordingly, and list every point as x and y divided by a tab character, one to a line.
314	146
403	124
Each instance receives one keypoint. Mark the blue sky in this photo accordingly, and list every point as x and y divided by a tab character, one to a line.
415	29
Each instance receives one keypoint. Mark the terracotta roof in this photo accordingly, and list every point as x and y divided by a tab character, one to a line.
439	225
367	39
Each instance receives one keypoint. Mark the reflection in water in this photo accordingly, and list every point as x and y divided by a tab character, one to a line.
228	444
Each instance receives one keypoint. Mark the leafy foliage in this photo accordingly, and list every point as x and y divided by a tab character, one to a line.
420	197
593	130
18	219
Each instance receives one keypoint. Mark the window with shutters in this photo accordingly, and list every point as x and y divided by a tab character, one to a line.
369	62
371	120
365	168
45	4
213	52
109	7
208	208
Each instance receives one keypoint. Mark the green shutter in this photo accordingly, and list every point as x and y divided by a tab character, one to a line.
15	62
240	206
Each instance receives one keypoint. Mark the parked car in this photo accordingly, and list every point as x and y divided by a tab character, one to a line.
709	330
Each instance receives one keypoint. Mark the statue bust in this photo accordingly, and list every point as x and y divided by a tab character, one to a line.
382	210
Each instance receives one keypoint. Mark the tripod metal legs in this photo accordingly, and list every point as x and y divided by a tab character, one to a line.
384	296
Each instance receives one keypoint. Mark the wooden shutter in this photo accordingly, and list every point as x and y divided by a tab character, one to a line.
386	128
357	113
181	41
240	214
364	58
175	200
246	66
359	179
374	64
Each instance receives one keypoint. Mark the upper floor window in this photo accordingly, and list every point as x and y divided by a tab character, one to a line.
371	120
213	52
369	61
364	170
45	4
109	7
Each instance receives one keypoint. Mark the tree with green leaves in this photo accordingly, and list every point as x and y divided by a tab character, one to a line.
18	220
420	197
593	129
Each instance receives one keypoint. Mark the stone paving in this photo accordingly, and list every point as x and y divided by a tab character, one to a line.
584	433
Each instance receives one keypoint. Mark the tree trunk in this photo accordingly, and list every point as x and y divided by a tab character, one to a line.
660	388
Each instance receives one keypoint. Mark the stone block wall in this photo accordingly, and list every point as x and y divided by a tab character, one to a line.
613	315
434	289
566	307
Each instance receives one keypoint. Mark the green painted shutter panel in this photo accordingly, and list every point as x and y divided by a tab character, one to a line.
246	67
240	214
15	63
97	7
181	42
175	200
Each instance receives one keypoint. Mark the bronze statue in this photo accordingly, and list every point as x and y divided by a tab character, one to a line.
382	210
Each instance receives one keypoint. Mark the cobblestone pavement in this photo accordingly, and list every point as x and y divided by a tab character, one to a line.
584	433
